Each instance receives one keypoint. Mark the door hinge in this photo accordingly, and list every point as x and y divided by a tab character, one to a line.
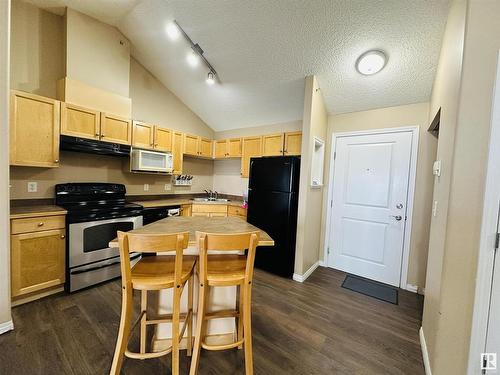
328	250
331	203
497	241
334	155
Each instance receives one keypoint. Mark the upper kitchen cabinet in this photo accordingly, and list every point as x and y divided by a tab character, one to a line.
143	135
163	139
80	122
205	148
227	148
177	151
272	144
191	144
293	143
116	129
34	130
251	147
151	137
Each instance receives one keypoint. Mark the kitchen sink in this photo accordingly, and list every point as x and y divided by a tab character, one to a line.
210	200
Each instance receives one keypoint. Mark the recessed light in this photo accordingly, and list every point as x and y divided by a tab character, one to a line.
371	62
210	78
173	31
193	59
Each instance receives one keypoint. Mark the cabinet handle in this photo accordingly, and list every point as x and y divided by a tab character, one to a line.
63	236
156	144
56	161
97	134
102	135
41	223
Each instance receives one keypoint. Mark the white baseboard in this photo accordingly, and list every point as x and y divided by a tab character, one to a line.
412	288
322	263
302	278
7	326
425	354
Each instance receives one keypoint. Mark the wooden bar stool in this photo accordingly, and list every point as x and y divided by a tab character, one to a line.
225	270
154	273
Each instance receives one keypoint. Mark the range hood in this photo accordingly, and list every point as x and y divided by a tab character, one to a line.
92	146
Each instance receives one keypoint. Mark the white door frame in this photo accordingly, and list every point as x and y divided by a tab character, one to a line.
486	257
403	283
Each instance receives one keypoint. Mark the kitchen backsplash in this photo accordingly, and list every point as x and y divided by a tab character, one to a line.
80	167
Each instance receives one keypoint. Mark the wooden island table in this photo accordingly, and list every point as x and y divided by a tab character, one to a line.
221	298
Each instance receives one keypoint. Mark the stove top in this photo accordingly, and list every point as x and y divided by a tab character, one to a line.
95	201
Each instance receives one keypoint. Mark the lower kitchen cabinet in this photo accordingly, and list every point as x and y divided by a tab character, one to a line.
186	210
37	257
237	212
209	210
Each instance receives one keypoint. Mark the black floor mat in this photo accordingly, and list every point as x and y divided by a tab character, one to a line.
371	288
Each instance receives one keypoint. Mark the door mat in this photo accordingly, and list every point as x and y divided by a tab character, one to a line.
371	288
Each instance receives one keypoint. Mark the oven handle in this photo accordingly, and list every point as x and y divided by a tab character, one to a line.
77	272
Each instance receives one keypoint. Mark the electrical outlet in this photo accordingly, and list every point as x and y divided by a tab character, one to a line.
168	187
146	187
32	187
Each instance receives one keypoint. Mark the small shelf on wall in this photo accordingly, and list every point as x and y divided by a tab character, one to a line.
317	163
434	127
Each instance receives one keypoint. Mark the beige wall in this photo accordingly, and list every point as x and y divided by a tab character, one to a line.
5	316
405	115
153	102
97	53
227	173
37	58
452	319
309	218
445	95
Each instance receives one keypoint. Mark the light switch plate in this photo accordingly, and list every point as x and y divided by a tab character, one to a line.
146	187
436	168
32	187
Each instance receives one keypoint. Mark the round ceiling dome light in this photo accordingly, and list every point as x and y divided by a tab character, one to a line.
371	62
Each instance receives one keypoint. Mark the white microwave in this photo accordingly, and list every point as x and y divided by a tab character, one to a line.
151	161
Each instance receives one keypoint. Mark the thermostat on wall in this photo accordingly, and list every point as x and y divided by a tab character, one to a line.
436	168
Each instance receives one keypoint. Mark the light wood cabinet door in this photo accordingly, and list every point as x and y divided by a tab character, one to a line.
272	145
143	135
80	122
234	148
205	148
220	149
186	210
163	139
177	151
34	130
251	147
293	143
191	144
116	129
37	261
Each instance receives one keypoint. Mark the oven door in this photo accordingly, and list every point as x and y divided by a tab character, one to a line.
88	242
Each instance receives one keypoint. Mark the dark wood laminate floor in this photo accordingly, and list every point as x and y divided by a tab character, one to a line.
312	328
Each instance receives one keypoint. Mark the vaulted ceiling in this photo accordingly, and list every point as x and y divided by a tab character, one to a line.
263	49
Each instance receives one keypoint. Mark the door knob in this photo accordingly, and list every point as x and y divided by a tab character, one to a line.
399	205
397	217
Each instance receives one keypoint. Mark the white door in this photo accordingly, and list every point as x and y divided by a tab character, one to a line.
493	333
370	189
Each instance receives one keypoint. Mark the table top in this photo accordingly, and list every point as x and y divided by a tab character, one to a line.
203	224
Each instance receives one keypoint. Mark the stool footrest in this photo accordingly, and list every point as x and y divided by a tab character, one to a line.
222	347
222	314
151	355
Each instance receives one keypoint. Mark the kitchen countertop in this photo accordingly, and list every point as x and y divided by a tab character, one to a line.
20	212
192	224
181	201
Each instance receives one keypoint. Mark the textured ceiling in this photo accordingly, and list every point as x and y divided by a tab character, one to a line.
263	49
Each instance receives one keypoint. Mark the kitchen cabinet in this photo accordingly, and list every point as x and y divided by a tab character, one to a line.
177	151
34	130
237	212
151	137
227	148
80	122
38	250
209	210
116	129
293	143
272	144
205	148
191	144
186	210
251	147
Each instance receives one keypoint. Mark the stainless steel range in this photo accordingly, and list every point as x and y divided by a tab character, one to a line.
96	211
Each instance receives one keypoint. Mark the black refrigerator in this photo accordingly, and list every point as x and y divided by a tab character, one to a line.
273	194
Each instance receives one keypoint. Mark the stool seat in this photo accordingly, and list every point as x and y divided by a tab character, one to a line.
158	272
226	269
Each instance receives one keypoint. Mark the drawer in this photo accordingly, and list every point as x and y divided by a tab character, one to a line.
202	214
220	208
235	210
37	224
218	214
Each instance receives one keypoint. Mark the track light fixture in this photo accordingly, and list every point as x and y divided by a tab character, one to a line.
196	53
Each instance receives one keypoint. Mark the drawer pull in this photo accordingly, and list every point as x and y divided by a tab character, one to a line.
63	236
40	224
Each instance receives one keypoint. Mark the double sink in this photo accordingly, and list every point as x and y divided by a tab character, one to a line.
210	200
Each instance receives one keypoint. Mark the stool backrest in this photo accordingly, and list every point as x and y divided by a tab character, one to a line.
227	242
151	243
